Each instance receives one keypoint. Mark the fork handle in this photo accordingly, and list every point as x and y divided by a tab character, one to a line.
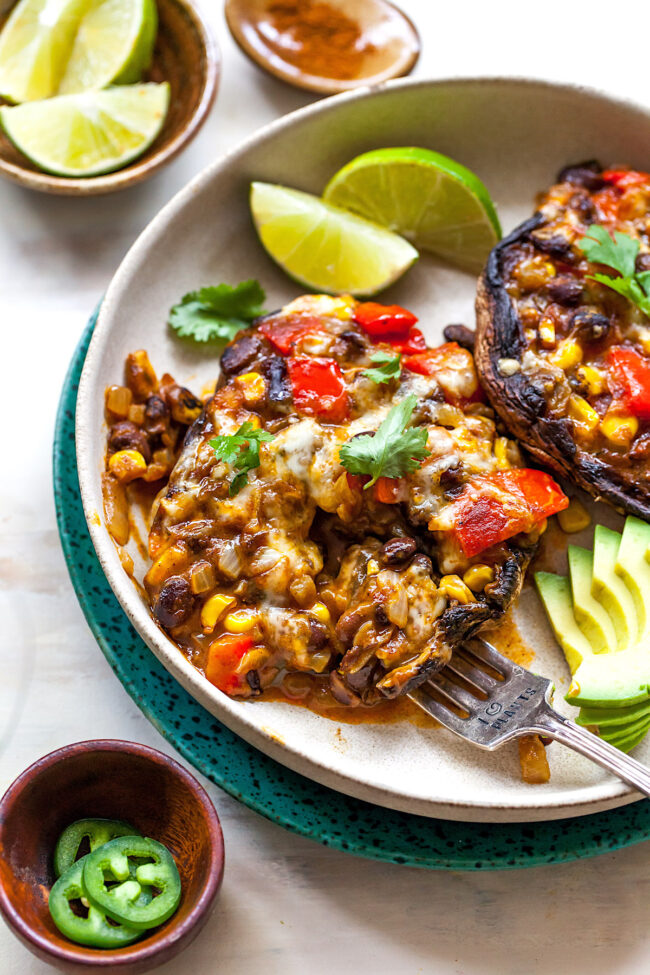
554	725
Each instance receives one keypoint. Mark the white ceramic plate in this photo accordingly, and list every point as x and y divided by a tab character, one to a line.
515	134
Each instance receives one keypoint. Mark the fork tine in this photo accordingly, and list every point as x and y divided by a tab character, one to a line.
478	680
485	653
438	711
444	698
445	681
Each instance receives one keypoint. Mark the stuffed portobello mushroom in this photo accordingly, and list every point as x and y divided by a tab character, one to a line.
343	506
563	332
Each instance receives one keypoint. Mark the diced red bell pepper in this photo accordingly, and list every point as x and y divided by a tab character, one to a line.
441	363
430	362
608	200
630	372
381	321
494	507
224	656
318	388
391	324
413	343
388	489
283	334
626	178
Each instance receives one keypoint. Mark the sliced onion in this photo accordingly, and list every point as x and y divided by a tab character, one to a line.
230	562
263	560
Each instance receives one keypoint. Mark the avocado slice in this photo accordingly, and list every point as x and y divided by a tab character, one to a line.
613	717
592	618
625	742
634	569
555	593
610	590
608	655
615	680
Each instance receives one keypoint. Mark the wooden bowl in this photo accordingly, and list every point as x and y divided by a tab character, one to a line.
186	55
393	38
116	780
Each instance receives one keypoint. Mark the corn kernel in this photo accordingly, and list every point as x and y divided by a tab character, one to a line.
478	577
214	608
171	560
574	518
582	413
567	355
372	568
252	385
621	430
127	465
454	587
501	451
240	621
321	612
546	333
593	380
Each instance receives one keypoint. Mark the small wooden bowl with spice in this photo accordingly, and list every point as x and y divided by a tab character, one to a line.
185	55
325	46
116	780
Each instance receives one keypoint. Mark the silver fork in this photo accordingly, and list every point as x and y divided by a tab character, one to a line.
487	699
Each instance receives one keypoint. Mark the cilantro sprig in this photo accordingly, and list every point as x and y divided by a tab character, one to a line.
217	312
393	450
618	252
389	367
241	451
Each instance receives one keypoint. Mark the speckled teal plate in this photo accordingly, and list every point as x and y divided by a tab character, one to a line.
271	789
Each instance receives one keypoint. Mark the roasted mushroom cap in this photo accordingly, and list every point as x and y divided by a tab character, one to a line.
520	394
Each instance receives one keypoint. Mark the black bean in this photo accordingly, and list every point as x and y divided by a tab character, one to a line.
461	334
175	602
398	550
642	262
556	245
318	635
584	207
451	477
380	616
274	367
587	174
156	415
253	680
240	354
354	341
566	291
590	325
126	436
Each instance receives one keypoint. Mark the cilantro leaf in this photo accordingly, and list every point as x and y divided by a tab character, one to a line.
618	252
390	368
392	451
217	312
241	451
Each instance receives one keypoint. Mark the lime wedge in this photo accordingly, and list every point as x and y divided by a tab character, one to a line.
48	47
324	247
88	134
431	200
114	45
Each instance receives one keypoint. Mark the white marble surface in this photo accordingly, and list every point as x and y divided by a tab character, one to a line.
288	905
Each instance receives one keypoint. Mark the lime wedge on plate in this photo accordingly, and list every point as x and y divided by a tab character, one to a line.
49	47
324	247
88	134
431	200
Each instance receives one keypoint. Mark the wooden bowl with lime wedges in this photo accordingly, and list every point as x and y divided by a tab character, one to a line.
107	104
